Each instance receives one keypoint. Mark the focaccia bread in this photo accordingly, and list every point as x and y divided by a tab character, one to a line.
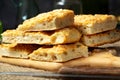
17	50
62	36
60	53
52	20
101	38
92	24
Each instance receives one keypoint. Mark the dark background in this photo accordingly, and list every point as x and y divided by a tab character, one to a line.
8	10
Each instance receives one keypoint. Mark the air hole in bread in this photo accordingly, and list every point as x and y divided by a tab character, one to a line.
44	24
78	46
54	57
41	39
65	53
45	54
20	55
84	27
73	50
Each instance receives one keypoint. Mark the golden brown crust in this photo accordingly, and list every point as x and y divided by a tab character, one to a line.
52	20
92	19
92	24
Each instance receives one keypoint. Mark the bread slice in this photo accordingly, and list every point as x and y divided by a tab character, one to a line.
52	20
92	24
101	38
62	36
17	50
60	53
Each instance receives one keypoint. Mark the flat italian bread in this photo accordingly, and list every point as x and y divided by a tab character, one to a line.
62	36
92	24
47	21
60	53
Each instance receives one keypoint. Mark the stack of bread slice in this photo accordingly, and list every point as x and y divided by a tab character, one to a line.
57	38
97	29
48	36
